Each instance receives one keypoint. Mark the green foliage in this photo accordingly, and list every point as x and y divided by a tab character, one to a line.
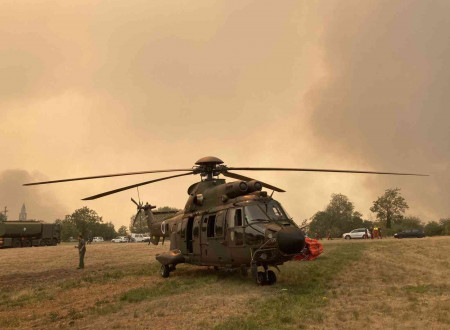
445	223
390	207
122	231
140	225
3	217
338	217
88	223
68	228
85	220
433	228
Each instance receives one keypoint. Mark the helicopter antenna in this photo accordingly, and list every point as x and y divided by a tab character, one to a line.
272	193
139	197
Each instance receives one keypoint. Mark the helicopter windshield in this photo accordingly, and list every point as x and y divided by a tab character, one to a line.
271	211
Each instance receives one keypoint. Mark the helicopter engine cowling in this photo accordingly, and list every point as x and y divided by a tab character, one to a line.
235	189
254	186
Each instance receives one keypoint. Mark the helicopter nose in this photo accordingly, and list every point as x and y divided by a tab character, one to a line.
291	240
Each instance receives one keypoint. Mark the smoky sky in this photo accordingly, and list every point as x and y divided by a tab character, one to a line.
98	87
386	97
43	205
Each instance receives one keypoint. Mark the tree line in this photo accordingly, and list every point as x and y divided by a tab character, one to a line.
89	224
340	217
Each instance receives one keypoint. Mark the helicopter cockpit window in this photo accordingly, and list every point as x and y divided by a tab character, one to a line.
254	212
275	211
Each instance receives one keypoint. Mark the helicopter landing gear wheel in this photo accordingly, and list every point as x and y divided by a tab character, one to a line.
271	277
164	271
261	278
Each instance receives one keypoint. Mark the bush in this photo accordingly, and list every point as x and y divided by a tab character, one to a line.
433	228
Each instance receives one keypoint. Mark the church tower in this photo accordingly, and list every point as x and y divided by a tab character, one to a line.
23	213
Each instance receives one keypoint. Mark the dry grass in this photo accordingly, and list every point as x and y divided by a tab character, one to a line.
398	284
375	284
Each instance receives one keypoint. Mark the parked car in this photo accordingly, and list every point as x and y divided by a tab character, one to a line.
410	233
357	233
97	239
146	238
120	239
137	237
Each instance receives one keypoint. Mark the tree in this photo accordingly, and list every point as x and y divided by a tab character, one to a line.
107	231
390	207
433	228
122	231
445	223
140	226
68	228
338	217
88	223
2	217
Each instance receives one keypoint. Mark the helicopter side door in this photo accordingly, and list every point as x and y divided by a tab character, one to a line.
196	237
240	254
214	250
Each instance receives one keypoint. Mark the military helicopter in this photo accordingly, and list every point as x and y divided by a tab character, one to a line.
225	225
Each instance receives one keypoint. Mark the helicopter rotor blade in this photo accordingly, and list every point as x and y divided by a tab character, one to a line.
137	215
134	202
133	186
104	176
245	178
317	170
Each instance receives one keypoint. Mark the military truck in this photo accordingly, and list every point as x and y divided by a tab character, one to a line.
29	233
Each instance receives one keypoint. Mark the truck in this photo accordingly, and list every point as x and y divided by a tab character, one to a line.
28	233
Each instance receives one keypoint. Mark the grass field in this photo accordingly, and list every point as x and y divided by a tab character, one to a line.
356	284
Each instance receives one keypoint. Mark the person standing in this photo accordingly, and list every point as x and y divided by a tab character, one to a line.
81	251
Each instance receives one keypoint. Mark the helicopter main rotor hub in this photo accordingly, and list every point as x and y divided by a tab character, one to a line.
209	167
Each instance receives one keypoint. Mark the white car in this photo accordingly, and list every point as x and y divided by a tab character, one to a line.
97	239
137	237
120	239
357	233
